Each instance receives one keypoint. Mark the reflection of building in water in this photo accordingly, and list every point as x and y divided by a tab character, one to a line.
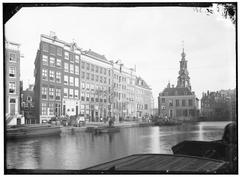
179	102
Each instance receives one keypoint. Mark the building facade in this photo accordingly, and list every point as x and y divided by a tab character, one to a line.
179	102
143	98
220	105
71	81
12	83
28	106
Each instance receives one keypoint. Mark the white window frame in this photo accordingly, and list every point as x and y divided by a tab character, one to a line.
66	67
71	81
65	79
76	82
66	55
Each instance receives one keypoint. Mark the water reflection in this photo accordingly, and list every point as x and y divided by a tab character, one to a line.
81	150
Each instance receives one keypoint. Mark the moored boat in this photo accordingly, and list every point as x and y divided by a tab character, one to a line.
25	131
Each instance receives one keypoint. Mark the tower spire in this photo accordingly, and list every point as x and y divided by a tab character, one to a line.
183	46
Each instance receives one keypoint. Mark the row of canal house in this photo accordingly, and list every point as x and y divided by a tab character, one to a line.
73	81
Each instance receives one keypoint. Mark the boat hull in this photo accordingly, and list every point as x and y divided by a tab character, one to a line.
33	131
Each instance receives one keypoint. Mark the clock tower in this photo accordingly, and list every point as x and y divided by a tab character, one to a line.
183	78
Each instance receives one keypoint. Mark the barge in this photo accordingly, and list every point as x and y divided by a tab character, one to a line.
26	131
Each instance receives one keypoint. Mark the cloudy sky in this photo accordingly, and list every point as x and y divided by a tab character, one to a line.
148	37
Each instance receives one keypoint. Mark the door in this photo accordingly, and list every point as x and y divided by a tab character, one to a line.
12	108
76	110
171	113
64	110
18	121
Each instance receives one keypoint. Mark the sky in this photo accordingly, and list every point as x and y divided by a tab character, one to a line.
148	37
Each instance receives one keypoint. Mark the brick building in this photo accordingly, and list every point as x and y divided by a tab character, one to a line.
220	105
28	106
72	81
143	98
179	102
12	83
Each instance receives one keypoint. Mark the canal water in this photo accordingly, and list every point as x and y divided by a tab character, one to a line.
81	150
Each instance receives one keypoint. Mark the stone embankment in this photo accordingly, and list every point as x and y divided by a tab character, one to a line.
102	124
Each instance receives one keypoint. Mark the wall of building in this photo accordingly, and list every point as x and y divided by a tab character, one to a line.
169	107
12	78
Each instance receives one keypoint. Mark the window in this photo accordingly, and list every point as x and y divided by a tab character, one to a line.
96	69
100	69
58	94
76	94
82	97
44	93
87	76
58	77
66	67
77	58
177	103
105	71
66	55
163	100
51	93
65	80
51	76
45	60
83	65
45	74
52	50
83	75
44	108
183	102
59	51
87	86
12	87
71	68
109	72
12	71
92	77
71	58
70	93
65	92
45	47
105	80
100	79
58	63
76	70
170	102
76	82
71	81
96	78
190	102
83	85
51	108
88	66
92	87
87	97
52	61
12	57
92	67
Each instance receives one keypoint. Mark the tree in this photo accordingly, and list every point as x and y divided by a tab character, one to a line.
226	10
